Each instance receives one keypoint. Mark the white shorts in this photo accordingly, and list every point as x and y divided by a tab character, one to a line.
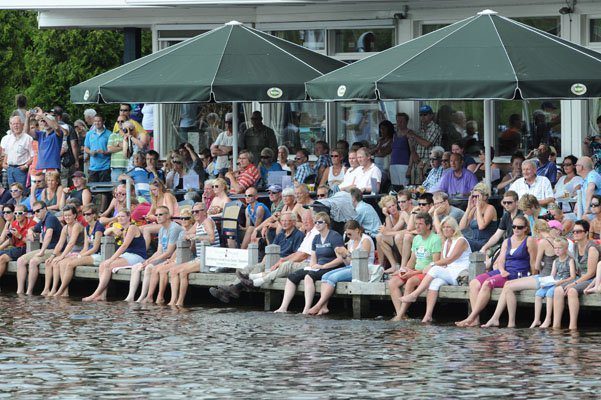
397	174
131	258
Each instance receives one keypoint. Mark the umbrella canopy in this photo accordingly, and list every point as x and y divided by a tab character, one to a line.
230	63
485	57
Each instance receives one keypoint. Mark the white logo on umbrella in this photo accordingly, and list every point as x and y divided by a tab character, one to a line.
275	92
578	89
341	90
86	95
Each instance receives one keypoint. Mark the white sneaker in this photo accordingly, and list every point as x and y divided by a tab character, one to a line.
255	276
258	282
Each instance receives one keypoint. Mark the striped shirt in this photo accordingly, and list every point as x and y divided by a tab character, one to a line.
118	159
249	177
200	231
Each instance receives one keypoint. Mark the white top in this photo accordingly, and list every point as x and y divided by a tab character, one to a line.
351	246
19	149
306	244
561	188
224	140
460	264
541	188
363	177
349	177
335	179
148	117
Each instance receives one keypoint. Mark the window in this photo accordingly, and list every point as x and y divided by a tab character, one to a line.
548	24
314	39
594	30
429	28
358	122
362	40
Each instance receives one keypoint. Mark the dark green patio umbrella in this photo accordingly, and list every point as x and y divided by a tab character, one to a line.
486	57
230	63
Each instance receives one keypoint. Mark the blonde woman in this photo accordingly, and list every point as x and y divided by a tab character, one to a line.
53	195
455	259
480	217
221	198
393	224
283	154
159	197
531	208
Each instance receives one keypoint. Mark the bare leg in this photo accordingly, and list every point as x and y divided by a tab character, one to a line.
105	272
21	275
474	290
145	284
247	236
67	271
153	281
288	296
412	297
394	285
481	301
47	278
549	314
574	307
309	293
558	306
134	282
385	246
410	286
538	307
163	280
512	304
183	271
33	274
431	298
321	307
4	260
56	277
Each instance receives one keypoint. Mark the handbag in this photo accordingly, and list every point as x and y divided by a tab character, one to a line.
67	159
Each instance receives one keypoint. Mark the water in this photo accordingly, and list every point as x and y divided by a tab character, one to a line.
68	349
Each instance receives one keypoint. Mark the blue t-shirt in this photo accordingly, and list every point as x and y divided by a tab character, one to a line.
325	251
169	236
49	150
368	218
142	179
591	177
252	213
289	244
50	222
265	172
95	142
91	233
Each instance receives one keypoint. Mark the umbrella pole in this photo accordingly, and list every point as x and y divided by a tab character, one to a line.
488	132
235	133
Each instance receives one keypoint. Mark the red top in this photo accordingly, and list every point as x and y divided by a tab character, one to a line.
249	176
22	230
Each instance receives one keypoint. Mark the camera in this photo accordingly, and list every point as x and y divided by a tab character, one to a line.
9	235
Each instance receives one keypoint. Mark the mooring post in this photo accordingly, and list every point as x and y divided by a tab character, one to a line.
108	247
360	272
183	252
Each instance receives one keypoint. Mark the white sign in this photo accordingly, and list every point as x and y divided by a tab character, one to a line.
275	92
579	89
341	90
226	258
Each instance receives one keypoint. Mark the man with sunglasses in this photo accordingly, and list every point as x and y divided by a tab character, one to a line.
125	115
436	171
505	228
256	212
96	146
50	140
302	168
115	148
49	229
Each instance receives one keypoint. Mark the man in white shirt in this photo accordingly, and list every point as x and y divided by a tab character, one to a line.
367	171
530	183
351	172
223	146
17	148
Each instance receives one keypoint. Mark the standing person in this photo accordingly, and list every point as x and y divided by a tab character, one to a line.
115	148
169	233
21	103
70	146
383	147
223	146
96	145
131	252
134	142
81	129
429	135
480	217
517	258
324	160
49	139
401	152
12	240
125	115
358	240
425	249
90	253
455	259
188	121
323	260
586	258
258	136
49	228
70	240
17	147
148	117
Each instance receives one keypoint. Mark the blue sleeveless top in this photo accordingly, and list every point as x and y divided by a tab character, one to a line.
252	213
138	246
519	261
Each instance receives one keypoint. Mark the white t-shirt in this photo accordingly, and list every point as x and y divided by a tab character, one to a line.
349	177
363	177
223	140
148	117
307	243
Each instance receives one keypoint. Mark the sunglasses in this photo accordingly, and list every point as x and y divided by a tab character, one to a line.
176	162
87	214
422	204
37	211
578	230
568	165
322	196
17	212
320	222
36	181
507	202
120	122
197	211
7	212
215	186
249	195
124	110
594	204
518	227
334	156
297	158
119	194
185	218
475	196
160	214
265	157
15	190
401	201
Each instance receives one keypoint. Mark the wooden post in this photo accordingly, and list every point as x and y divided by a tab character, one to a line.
253	254
202	251
183	252
359	266
33	246
108	247
272	255
477	265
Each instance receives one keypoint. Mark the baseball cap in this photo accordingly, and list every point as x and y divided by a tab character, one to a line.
274	188
425	109
228	117
78	174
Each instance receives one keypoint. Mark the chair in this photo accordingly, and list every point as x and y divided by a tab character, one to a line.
230	224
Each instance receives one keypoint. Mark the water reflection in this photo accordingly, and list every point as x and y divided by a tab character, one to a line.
63	348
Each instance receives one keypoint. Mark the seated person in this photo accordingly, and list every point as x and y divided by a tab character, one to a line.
246	176
358	240
367	171
71	241
220	198
49	228
367	216
79	190
393	223
302	168
141	176
255	213
456	180
442	208
12	239
130	253
90	253
436	170
480	217
404	239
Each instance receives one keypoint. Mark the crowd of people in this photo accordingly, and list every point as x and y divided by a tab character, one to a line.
539	223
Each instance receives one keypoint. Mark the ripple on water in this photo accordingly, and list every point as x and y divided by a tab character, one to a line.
63	348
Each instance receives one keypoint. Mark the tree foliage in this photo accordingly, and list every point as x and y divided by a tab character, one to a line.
44	63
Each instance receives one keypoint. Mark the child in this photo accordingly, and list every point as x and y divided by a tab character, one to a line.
563	271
